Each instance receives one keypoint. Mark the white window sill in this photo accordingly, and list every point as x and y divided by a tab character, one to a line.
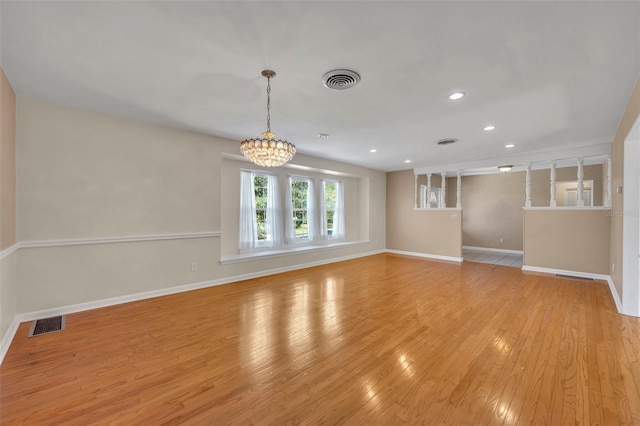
265	254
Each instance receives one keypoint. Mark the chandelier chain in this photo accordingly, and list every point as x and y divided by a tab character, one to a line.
269	104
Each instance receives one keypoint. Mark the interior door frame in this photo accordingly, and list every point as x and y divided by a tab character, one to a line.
631	223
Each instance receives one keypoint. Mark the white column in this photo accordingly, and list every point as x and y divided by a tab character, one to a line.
580	202
552	187
459	191
443	192
607	201
427	203
415	191
527	186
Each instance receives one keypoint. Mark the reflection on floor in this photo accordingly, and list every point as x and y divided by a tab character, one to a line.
505	259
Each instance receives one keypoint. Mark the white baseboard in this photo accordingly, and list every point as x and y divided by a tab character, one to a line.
565	272
607	278
8	337
426	255
614	293
495	250
79	307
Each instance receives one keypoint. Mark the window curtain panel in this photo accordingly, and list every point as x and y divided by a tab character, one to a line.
338	217
248	233
274	212
323	211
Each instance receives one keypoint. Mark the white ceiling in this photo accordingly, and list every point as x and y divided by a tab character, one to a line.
548	75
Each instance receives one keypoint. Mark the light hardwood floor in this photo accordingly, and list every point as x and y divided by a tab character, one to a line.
385	339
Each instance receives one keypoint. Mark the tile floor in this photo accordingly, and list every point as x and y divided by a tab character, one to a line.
505	259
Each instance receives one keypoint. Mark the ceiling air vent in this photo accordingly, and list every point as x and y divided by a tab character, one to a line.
447	141
340	79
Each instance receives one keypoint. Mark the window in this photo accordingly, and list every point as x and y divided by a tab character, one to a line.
302	209
309	211
260	212
332	209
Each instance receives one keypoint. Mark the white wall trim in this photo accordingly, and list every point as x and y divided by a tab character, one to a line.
426	255
8	337
630	222
565	272
6	252
111	240
266	254
435	209
79	307
545	157
495	250
614	293
568	208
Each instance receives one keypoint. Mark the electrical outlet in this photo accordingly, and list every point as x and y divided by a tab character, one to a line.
194	266
502	240
613	267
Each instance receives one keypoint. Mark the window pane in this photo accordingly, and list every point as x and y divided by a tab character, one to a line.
261	222
333	206
260	184
299	198
301	225
330	195
330	214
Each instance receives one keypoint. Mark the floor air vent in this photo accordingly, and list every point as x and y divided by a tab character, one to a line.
47	325
573	277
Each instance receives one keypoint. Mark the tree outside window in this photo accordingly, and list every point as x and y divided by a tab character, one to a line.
300	208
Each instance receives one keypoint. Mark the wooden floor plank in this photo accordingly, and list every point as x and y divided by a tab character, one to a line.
385	339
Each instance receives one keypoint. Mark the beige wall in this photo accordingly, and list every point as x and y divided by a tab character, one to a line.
7	163
87	175
572	240
492	207
629	117
435	232
8	271
83	174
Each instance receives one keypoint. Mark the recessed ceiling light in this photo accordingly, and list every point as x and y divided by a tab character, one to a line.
323	135
489	127
455	96
407	161
373	150
509	146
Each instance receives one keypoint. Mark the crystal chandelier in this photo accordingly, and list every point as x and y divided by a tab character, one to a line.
268	152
